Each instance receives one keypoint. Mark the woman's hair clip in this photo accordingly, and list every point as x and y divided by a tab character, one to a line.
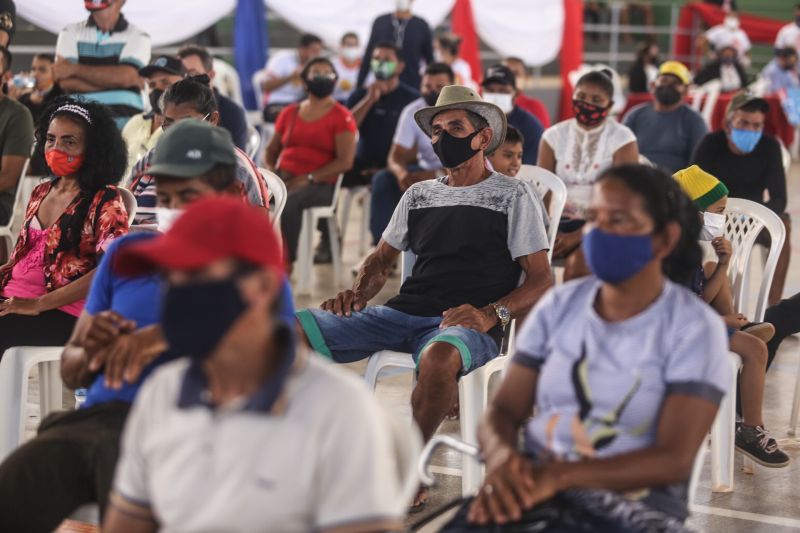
74	109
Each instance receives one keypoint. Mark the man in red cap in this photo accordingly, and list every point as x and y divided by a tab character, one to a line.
240	434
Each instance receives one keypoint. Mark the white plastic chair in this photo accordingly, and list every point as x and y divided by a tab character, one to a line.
644	161
543	181
473	390
745	221
130	203
711	91
305	256
15	367
253	142
277	191
352	195
227	81
25	187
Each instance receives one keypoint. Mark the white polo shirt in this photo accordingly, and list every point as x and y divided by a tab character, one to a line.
320	457
409	135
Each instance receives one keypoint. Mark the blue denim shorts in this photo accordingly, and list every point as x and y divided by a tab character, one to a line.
376	328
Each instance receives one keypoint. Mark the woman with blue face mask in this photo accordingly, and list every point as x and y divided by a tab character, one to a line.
625	369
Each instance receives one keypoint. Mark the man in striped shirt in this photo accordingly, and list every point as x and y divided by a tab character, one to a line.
100	58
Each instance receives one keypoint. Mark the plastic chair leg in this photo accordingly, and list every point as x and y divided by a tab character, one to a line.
305	255
347	203
336	252
13	396
722	438
366	236
795	405
472	402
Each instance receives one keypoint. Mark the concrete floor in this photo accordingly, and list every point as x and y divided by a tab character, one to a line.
766	501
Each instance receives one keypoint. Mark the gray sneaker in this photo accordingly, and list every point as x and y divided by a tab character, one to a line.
758	445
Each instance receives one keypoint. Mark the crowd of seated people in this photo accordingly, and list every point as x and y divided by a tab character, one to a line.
212	404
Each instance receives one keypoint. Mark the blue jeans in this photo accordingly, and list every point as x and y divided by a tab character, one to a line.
386	195
377	327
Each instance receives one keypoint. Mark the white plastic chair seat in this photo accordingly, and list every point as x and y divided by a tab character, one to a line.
15	367
542	181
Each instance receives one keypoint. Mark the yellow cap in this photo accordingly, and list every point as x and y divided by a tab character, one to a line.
677	69
703	188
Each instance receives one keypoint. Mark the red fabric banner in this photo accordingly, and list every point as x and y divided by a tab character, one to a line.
571	52
759	29
464	27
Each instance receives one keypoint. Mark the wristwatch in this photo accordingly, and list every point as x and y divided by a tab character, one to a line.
502	312
310	177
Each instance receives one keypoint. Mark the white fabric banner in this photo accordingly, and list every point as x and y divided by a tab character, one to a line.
529	29
167	21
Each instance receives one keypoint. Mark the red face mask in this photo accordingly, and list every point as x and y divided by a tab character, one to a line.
589	114
62	164
96	5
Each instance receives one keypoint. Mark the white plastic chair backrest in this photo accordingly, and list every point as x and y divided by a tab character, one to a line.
227	81
253	142
543	181
407	260
130	203
758	87
786	158
745	221
277	191
714	90
25	186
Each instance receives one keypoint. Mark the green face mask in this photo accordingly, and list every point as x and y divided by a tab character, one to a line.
383	70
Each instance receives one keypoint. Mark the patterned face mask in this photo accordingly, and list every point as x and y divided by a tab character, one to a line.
589	114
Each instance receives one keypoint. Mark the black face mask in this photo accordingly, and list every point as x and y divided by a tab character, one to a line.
727	60
788	67
797	20
320	87
430	98
197	316
453	151
667	95
155	97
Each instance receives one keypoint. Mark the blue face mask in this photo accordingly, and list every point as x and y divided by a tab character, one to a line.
745	140
616	258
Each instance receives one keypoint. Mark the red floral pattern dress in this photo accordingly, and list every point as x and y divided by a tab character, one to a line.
105	219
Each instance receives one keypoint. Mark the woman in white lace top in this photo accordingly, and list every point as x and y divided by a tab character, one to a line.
577	150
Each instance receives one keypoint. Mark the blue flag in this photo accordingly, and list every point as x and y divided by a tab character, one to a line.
251	46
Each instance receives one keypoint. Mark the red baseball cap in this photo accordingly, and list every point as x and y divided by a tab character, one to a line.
210	229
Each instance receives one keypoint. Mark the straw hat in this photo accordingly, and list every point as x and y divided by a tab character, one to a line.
459	97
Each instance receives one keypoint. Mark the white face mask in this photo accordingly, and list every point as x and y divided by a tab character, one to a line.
166	217
504	101
403	5
732	23
713	226
351	53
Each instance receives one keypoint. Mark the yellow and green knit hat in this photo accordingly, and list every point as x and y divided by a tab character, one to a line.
703	188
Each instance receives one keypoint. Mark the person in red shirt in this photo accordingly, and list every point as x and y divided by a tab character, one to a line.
532	105
314	142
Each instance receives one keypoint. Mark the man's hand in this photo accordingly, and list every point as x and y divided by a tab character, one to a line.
566	243
20	306
723	249
469	317
103	331
128	354
345	303
63	69
375	91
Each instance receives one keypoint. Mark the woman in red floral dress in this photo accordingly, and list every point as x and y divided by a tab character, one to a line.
70	220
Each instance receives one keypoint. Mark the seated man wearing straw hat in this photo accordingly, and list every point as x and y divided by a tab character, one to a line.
473	233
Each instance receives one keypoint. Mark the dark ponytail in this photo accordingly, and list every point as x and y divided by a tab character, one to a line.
665	202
